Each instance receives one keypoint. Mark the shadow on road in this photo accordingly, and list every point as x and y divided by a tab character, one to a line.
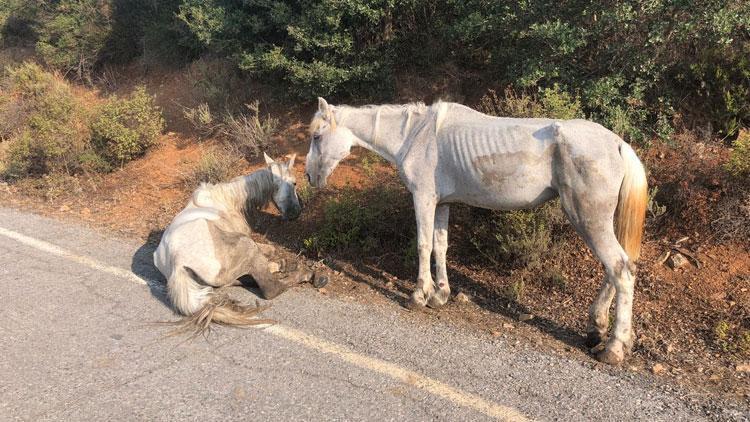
142	265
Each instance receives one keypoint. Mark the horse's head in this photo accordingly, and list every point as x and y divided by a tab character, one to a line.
284	187
330	144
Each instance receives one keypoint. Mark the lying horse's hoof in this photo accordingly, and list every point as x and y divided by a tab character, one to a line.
319	281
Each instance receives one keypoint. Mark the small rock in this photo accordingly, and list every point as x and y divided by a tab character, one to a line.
390	285
64	208
742	367
677	260
462	298
507	325
495	333
323	291
525	317
714	377
658	369
670	348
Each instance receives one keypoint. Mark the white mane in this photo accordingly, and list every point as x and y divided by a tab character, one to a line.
241	194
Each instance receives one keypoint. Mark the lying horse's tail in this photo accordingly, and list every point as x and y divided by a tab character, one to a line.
202	306
631	207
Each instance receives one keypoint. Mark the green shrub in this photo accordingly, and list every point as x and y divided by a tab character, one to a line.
739	160
363	222
49	132
516	239
731	338
74	34
125	127
552	103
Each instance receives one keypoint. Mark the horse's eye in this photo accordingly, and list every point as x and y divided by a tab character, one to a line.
316	138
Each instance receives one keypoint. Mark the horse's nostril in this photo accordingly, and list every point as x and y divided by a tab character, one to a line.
309	179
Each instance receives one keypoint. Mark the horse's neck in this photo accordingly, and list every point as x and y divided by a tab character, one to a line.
383	129
243	194
258	188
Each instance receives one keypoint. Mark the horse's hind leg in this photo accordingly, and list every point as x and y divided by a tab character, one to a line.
440	249
620	274
598	324
592	216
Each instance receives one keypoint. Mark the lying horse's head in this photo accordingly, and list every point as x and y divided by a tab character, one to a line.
284	187
330	144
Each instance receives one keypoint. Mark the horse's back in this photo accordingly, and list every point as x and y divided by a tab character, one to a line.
511	163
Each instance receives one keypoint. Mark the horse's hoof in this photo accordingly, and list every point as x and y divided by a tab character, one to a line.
610	357
415	305
593	338
319	281
437	300
299	277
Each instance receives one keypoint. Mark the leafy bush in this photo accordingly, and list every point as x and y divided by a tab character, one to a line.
317	47
125	127
551	103
515	239
249	135
74	34
739	160
363	222
49	132
731	338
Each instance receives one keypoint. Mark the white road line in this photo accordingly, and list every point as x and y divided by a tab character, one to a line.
64	253
396	372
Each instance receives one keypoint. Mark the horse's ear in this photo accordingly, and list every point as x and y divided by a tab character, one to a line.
268	159
290	163
322	106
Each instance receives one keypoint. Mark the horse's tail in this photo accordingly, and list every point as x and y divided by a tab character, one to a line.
201	306
631	206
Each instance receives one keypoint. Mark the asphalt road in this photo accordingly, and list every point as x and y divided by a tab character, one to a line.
79	342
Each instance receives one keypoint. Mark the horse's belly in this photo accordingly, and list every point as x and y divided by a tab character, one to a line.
504	181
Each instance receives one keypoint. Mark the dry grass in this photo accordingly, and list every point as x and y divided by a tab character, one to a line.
249	134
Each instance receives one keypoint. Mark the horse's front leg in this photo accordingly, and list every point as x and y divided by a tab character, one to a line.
424	207
440	246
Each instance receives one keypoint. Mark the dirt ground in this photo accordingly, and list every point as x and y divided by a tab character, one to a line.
677	312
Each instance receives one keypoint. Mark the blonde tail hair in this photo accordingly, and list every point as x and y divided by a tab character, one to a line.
201	306
631	207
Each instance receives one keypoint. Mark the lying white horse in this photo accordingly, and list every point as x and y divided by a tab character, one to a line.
208	245
450	153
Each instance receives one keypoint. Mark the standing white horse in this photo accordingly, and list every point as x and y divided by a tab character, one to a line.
449	153
208	245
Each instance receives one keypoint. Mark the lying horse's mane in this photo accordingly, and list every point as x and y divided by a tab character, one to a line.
242	194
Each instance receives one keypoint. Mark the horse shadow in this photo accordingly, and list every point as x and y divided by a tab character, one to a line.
142	265
358	271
